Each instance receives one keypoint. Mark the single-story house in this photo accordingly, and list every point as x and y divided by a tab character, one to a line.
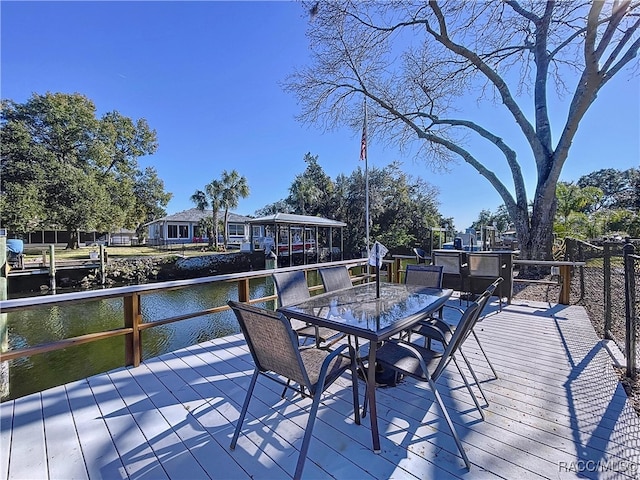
184	227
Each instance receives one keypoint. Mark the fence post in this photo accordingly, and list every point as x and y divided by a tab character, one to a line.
606	271
581	259
103	263
630	307
52	268
132	319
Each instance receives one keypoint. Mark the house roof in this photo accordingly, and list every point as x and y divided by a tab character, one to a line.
194	215
292	219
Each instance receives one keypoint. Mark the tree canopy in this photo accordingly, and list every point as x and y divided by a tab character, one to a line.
421	63
602	203
402	208
63	167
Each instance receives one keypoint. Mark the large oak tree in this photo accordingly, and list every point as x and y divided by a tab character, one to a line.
416	61
63	167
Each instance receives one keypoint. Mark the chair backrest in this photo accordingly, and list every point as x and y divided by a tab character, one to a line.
292	287
484	264
425	275
421	255
462	331
450	261
335	278
482	302
272	342
486	295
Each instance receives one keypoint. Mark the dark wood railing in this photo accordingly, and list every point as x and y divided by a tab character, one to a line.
131	295
133	323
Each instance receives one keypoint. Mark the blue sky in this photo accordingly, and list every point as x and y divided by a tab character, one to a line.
206	76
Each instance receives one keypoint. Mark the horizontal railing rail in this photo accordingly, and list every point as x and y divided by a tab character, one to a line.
564	268
131	295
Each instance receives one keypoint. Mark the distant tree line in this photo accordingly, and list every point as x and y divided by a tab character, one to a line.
602	203
62	167
402	208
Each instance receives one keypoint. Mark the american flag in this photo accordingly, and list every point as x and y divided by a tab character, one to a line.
363	142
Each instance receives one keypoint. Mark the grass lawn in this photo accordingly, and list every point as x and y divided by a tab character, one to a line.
190	250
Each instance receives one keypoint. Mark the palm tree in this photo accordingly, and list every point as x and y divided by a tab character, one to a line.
212	196
304	192
233	187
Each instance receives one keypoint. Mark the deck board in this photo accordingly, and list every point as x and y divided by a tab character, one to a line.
557	402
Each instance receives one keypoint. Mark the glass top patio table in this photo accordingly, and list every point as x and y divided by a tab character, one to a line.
357	311
360	312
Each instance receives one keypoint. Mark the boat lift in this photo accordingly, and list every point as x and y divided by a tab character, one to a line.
298	239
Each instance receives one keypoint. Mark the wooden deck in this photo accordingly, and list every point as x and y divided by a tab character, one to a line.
556	411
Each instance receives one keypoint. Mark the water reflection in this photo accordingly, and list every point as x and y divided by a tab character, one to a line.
42	325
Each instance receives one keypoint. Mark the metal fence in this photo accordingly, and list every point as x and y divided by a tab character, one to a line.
608	287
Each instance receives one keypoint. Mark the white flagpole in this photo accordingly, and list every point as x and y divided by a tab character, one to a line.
363	152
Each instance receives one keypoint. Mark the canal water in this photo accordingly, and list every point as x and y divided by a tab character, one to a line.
43	325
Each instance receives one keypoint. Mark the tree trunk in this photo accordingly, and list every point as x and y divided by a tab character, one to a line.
214	219
224	227
210	236
73	243
535	234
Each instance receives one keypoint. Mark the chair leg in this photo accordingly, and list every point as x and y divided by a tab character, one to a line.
475	377
354	385
245	407
284	390
495	374
466	383
445	413
304	448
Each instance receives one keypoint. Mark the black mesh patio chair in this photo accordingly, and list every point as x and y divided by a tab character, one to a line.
335	278
440	331
428	365
453	266
484	267
421	255
292	288
425	275
275	351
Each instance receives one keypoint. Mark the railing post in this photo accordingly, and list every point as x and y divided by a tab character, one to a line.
606	271
243	290
565	288
630	308
581	259
132	319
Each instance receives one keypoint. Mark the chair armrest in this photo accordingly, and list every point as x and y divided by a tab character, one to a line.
414	351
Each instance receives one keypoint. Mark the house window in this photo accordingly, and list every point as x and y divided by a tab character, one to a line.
236	229
177	231
172	231
183	230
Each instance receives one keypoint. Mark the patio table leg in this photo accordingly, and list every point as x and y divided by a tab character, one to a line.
371	396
